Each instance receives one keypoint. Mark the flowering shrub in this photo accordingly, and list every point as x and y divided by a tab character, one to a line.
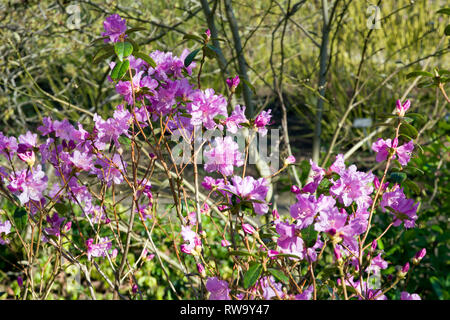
84	191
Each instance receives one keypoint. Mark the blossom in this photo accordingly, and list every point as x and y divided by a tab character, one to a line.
205	106
405	209
289	160
262	120
5	228
224	156
419	255
218	288
248	228
237	117
377	264
115	28
289	242
28	185
101	249
251	190
403	152
192	239
233	83
317	176
109	170
353	186
407	296
270	288
402	108
8	145
82	161
307	294
55	222
225	243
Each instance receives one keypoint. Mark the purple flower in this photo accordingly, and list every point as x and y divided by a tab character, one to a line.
55	222
218	288
237	117
403	152
5	228
28	185
419	255
224	156
377	264
289	242
233	83
109	170
115	28
192	239
8	145
262	120
101	249
289	160
248	228
406	296
402	108
405	209
318	174
225	243
205	106
82	161
251	190
270	288
353	186
307	294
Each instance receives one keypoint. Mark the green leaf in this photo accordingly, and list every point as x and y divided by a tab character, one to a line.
397	177
252	275
418	73
120	69
192	37
436	287
190	57
447	30
309	236
123	49
417	116
444	11
240	253
20	218
279	275
103	53
146	58
61	208
208	52
413	186
409	130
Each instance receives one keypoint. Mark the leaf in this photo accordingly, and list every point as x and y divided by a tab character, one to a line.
279	275
417	116
146	58
210	53
95	41
190	57
103	53
418	73
192	37
20	218
444	11
134	44
61	208
123	49
398	177
409	130
436	287
240	253
120	69
413	186
309	236
447	30
252	275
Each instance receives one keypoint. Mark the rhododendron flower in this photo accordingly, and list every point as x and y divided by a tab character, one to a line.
110	169
262	120
402	108
377	264
289	242
5	228
270	288
403	152
353	186
25	150
218	288
237	117
55	222
250	189
289	160
233	83
307	294
248	228
405	208
205	106
225	243
115	28
317	176
101	249
82	161
419	255
8	145
28	185
406	296
223	156
192	238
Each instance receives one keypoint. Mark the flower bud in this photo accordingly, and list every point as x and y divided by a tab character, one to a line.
295	189
402	108
289	160
248	228
338	255
134	288
272	254
201	270
233	83
374	245
419	256
402	273
225	243
275	214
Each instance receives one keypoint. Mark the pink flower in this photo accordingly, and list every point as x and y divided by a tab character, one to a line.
82	161
289	242
406	296
262	120
307	294
403	152
233	83
101	249
5	228
218	288
224	156
115	28
405	208
192	238
225	243
237	117
248	228
402	108
289	160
